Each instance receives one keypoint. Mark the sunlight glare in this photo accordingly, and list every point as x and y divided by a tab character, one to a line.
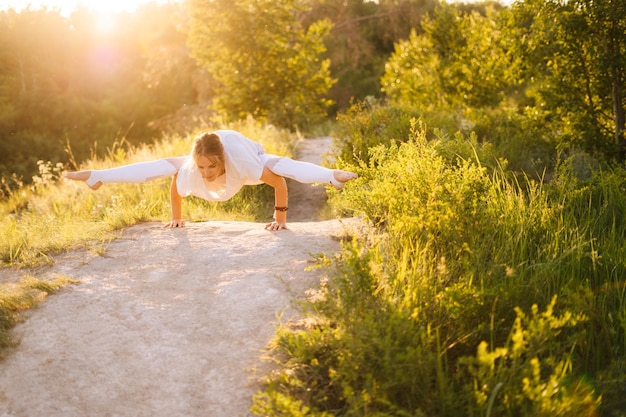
106	23
66	7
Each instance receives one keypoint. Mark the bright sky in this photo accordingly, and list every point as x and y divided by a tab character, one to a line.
67	6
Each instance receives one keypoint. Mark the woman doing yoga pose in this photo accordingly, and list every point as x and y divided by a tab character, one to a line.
220	164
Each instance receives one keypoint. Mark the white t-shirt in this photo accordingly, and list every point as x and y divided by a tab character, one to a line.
244	166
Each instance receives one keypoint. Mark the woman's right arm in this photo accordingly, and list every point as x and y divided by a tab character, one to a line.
177	205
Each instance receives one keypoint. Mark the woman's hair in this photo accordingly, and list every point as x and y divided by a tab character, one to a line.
208	145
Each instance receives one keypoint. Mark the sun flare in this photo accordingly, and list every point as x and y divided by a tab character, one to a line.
66	7
105	23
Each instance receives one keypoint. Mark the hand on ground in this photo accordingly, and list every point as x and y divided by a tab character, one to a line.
175	223
275	226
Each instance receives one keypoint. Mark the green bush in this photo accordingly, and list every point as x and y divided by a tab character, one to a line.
368	124
475	294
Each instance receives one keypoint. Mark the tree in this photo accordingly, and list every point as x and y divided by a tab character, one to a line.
33	75
265	62
576	52
362	39
64	81
411	74
460	60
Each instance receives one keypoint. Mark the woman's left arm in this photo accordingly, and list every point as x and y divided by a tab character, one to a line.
280	199
177	206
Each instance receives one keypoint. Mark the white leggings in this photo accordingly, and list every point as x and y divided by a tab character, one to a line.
300	171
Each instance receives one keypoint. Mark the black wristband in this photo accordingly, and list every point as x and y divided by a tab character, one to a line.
281	208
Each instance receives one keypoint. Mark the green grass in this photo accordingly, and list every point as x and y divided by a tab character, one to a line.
474	294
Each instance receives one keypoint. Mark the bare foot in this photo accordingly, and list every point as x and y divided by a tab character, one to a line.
342	177
83	176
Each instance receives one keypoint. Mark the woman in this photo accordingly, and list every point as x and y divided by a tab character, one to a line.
220	164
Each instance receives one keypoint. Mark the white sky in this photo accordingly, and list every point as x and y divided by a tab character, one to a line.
67	6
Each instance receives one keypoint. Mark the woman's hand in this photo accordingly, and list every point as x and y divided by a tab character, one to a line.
175	223
275	226
280	199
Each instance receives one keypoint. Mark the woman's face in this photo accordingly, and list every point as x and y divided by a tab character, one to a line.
210	167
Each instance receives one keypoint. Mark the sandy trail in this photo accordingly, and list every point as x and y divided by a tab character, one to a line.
165	322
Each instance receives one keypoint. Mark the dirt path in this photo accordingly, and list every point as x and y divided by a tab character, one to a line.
305	201
166	322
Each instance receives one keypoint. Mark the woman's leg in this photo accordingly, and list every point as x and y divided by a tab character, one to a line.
307	172
133	173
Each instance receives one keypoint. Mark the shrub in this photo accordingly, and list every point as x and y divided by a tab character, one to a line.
474	292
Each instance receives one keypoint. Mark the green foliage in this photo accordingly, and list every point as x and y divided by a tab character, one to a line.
531	375
266	63
475	294
367	124
503	138
361	40
64	81
555	66
461	74
576	52
460	60
411	73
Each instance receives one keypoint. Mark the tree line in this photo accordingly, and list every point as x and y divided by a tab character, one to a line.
70	84
538	74
550	70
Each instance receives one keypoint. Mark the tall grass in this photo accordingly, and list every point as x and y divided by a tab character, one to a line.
477	294
56	215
